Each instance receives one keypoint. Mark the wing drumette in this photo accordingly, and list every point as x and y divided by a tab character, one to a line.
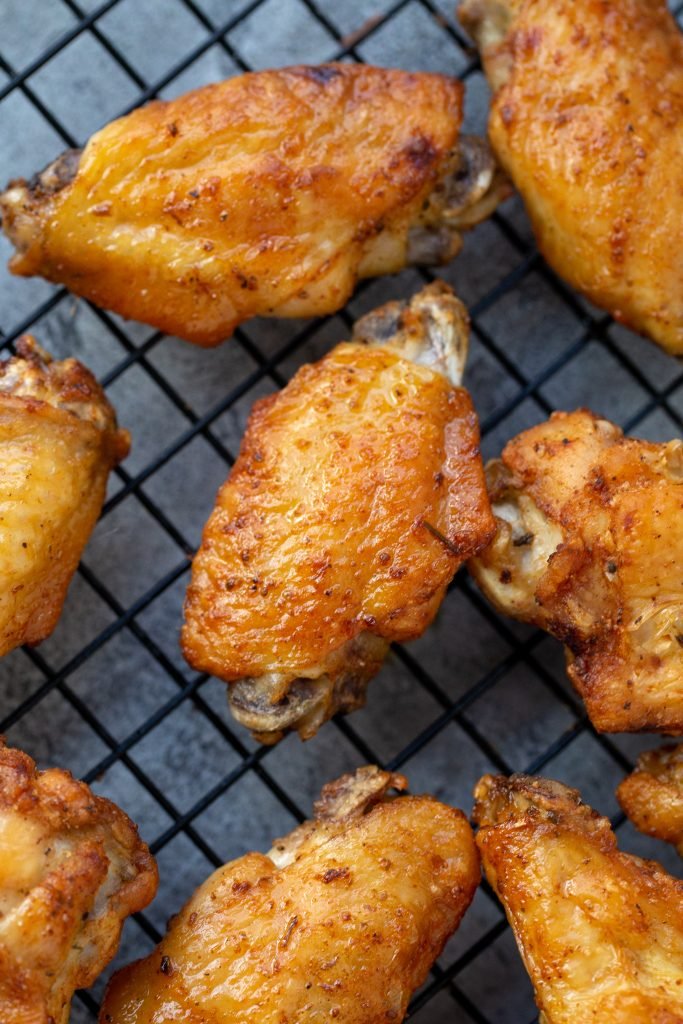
590	547
266	195
72	869
357	493
652	795
587	119
342	920
58	442
600	931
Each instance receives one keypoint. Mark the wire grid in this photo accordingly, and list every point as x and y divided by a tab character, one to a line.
108	695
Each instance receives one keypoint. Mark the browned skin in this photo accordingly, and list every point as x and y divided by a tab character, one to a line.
600	931
652	795
268	194
317	555
72	868
587	119
58	442
341	921
590	547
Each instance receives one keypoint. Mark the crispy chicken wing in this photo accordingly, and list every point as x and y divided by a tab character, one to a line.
58	441
600	931
342	920
268	194
72	868
590	547
357	494
587	119
652	795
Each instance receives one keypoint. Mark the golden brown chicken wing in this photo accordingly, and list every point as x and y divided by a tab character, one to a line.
323	545
269	194
72	868
587	119
600	932
652	795
341	921
590	547
58	441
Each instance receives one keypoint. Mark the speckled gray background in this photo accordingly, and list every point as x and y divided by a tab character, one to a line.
120	679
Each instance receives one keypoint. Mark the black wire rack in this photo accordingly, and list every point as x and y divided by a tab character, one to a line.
109	695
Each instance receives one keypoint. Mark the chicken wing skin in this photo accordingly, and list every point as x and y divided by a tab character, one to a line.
590	547
58	441
72	868
268	194
587	119
342	920
357	493
600	931
652	795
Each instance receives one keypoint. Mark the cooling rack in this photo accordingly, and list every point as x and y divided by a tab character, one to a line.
108	695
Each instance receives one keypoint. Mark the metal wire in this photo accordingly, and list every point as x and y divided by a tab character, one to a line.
522	651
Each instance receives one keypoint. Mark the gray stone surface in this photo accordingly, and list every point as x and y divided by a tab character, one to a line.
135	670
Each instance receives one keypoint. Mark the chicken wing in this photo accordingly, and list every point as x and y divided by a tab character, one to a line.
342	920
652	795
587	119
357	493
58	441
590	547
72	868
269	194
600	931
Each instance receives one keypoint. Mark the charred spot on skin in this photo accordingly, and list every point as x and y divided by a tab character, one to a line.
332	874
420	152
166	966
172	129
368	229
246	281
523	541
507	113
629	521
321	74
505	576
528	40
